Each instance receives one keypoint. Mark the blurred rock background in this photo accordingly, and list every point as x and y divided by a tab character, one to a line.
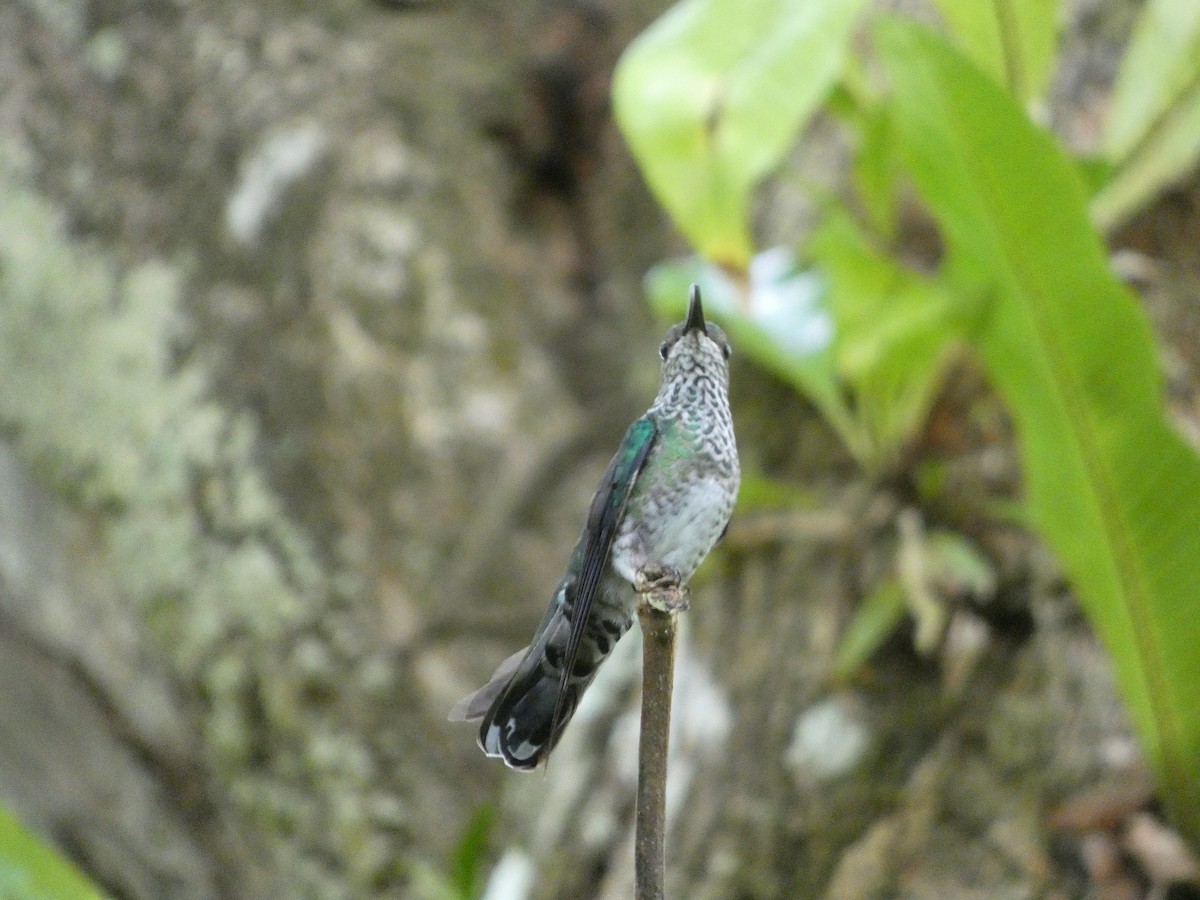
318	324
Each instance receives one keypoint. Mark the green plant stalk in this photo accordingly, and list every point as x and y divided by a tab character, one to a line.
657	613
1010	42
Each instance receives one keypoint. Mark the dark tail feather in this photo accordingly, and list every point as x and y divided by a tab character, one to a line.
520	726
517	707
518	703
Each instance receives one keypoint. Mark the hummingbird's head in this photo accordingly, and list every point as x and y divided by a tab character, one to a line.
694	345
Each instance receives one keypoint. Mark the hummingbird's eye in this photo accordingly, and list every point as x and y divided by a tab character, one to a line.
663	348
726	350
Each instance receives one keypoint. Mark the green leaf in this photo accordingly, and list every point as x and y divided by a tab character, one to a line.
876	618
712	96
1014	41
1112	487
1153	127
467	862
876	169
894	329
29	870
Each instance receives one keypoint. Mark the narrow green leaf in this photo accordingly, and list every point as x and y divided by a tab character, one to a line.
29	870
1014	41
1112	487
711	97
876	168
466	864
879	615
1153	126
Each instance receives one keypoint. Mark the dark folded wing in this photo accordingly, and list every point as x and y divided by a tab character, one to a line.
604	518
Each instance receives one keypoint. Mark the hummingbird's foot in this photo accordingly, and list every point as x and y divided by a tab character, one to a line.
656	577
659	587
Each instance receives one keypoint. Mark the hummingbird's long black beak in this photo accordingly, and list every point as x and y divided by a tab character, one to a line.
695	316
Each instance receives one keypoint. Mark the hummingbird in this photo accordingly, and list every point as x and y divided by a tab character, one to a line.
662	505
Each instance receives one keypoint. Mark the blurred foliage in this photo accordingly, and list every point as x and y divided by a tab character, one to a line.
1023	281
29	870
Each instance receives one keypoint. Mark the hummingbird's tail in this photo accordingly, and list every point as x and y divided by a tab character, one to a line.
519	703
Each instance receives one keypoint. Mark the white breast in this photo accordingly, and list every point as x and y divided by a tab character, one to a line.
685	526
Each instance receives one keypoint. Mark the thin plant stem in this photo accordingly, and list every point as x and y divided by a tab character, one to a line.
657	611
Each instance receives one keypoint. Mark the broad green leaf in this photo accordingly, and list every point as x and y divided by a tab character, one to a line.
1112	487
1014	41
29	870
712	96
1153	127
